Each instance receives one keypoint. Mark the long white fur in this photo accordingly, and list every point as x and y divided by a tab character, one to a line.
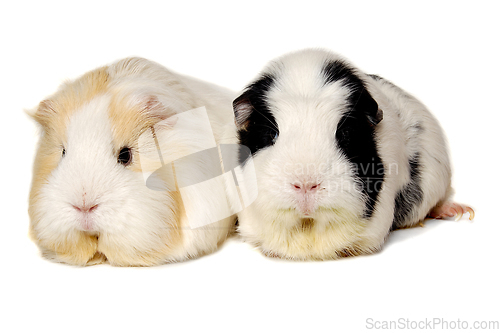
130	216
307	114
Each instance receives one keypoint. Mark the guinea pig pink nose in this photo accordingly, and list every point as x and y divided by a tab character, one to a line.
86	208
308	187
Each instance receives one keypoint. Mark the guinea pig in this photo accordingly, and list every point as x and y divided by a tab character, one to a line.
89	201
341	159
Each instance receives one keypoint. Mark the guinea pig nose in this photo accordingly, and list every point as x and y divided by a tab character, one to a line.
85	208
309	187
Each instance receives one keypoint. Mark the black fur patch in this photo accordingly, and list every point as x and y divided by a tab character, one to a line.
359	98
410	196
261	128
355	133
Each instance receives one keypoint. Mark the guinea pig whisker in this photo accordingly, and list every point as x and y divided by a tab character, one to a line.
263	115
274	129
346	116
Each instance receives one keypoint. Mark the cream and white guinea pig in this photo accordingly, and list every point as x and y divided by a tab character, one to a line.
341	159
89	201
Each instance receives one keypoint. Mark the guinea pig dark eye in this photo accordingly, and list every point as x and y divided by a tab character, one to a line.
274	136
125	156
269	136
63	152
344	135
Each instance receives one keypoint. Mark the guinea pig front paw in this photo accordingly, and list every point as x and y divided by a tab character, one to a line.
451	209
97	259
271	254
81	252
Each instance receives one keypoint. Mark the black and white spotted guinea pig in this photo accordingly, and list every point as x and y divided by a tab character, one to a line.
89	201
341	159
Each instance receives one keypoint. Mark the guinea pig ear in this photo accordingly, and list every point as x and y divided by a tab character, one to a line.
369	106
155	111
43	113
242	110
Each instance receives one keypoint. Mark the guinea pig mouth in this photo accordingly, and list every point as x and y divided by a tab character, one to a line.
306	211
308	215
91	233
87	224
306	206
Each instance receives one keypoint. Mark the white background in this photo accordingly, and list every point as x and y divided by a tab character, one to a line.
445	53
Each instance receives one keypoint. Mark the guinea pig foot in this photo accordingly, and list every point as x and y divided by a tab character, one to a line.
451	209
97	259
272	255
